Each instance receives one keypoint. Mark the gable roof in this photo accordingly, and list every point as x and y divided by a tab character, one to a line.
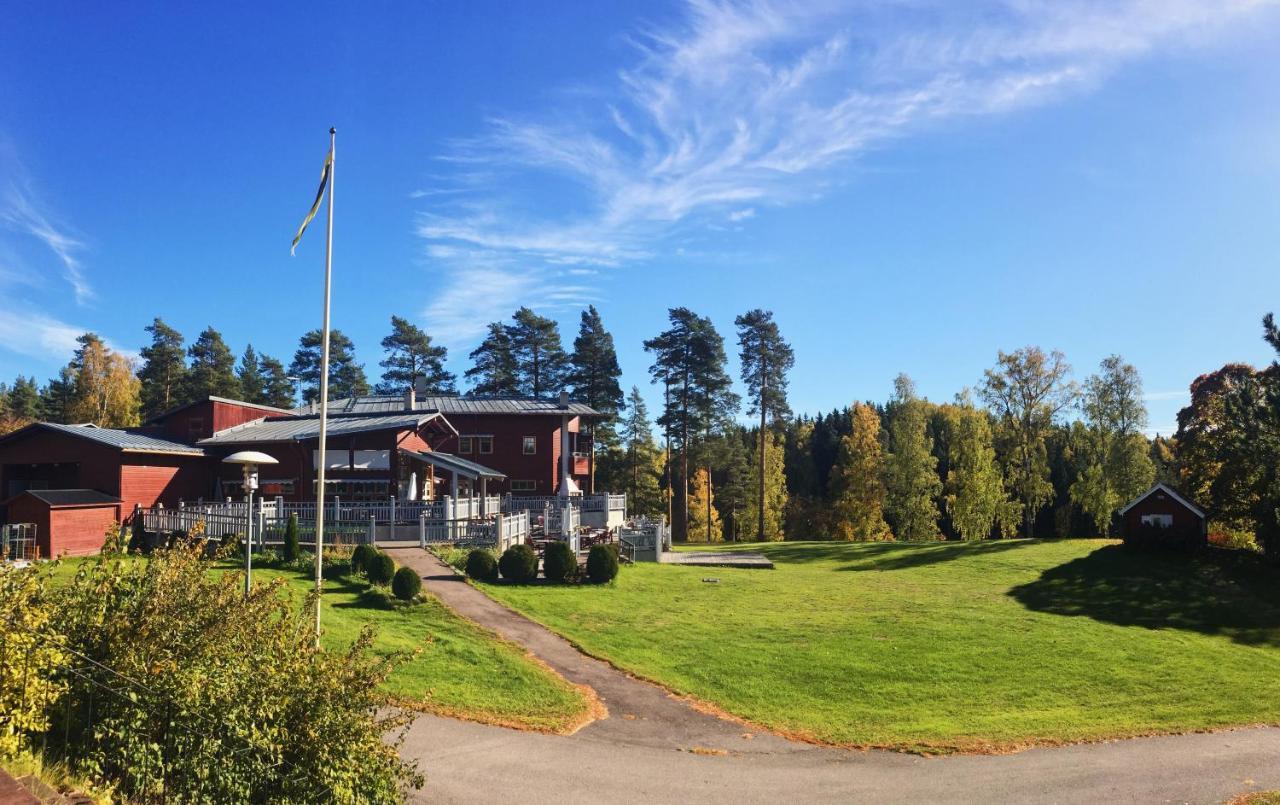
451	463
270	409
1171	492
126	441
70	497
448	404
301	428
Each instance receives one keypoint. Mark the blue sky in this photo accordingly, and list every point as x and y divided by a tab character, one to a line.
909	185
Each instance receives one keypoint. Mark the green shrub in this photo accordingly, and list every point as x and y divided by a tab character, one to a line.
559	562
360	557
290	550
380	568
406	584
482	565
178	739
519	564
602	563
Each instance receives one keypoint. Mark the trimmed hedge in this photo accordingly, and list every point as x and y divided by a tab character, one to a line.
380	568
602	563
290	551
482	565
519	564
558	562
360	557
406	584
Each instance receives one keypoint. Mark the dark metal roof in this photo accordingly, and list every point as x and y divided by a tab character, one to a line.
72	497
292	429
451	463
125	440
453	404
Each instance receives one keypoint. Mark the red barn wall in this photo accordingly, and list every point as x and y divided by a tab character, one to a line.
80	530
99	465
508	444
1183	518
202	420
27	509
147	479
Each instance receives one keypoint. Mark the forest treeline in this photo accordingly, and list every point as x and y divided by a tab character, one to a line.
1028	450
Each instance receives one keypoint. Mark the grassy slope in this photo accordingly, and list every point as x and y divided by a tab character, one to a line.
461	670
979	646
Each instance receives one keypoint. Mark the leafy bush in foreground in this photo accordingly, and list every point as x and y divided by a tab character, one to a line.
519	564
602	563
559	562
227	698
380	568
406	584
481	565
360	557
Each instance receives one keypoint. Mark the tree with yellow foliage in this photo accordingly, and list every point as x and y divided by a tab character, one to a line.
106	390
704	520
857	488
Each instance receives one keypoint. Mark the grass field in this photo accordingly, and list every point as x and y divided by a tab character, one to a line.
980	646
461	669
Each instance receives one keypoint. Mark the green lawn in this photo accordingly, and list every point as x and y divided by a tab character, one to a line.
984	646
461	670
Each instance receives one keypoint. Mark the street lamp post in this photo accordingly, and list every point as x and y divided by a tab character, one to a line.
249	461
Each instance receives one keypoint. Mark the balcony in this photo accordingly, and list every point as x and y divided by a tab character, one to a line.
581	464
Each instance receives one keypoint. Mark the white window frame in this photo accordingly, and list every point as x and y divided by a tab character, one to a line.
482	442
1159	520
529	445
465	445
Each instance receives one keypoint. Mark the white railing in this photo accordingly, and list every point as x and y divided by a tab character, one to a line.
501	530
591	503
337	510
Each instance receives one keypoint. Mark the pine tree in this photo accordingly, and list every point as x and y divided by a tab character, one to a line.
346	377
278	390
106	392
704	520
857	491
493	370
212	371
164	370
734	481
976	497
253	384
593	377
911	481
412	360
643	462
23	399
776	499
540	361
57	398
805	492
766	358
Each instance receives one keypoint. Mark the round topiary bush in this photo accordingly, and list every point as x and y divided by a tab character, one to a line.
602	564
559	562
406	584
481	565
519	564
380	568
360	556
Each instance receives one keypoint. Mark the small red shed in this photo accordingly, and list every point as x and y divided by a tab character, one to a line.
1165	515
69	522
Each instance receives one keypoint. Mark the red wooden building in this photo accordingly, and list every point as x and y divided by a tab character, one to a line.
1162	515
69	522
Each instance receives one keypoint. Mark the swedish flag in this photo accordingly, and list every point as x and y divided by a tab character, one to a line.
324	182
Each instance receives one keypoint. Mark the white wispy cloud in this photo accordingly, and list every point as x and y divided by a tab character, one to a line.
741	105
37	335
21	213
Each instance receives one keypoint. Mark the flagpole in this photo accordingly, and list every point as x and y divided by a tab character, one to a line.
324	391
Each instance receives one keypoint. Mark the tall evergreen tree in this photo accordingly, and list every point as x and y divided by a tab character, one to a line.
1027	390
277	390
593	378
493	370
733	480
346	377
413	360
766	358
23	399
643	460
106	391
253	383
57	398
976	497
857	488
164	370
1116	465
775	482
912	485
213	367
540	361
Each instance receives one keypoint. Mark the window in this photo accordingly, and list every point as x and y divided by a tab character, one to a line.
530	445
524	486
485	444
1161	520
464	444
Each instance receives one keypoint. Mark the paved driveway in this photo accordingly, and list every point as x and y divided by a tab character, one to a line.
656	748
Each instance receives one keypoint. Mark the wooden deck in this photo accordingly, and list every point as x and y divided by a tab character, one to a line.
714	559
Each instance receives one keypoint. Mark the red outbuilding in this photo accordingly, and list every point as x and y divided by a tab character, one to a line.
1162	515
69	522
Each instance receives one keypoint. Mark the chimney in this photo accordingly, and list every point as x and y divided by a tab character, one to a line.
410	399
564	399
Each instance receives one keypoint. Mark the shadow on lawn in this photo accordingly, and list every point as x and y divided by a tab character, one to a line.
883	555
1217	592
